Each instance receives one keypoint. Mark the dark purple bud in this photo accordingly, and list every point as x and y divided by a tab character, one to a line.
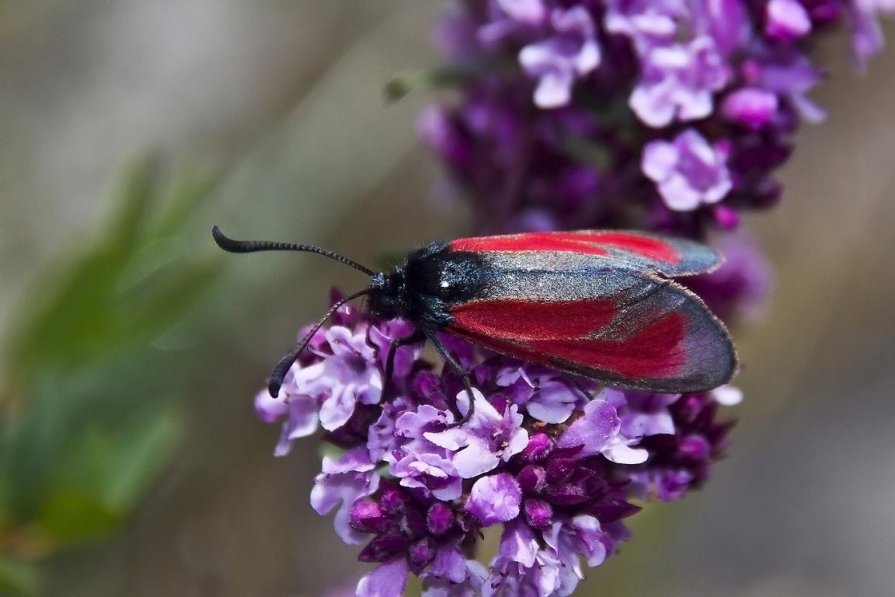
611	511
420	555
568	494
538	513
726	218
559	469
766	194
391	501
706	416
687	407
532	479
695	447
751	107
439	519
823	12
426	388
414	522
383	548
539	446
367	517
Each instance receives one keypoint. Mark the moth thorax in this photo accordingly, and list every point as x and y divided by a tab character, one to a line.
387	291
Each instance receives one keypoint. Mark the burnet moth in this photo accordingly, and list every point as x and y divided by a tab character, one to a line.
598	304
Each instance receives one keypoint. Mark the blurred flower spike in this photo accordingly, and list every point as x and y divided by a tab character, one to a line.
669	115
559	469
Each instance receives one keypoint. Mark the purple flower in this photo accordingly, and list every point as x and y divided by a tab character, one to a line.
681	461
388	579
668	115
788	74
521	567
495	498
529	12
546	395
416	535
341	484
642	413
343	368
300	412
727	395
581	535
617	77
452	575
867	35
345	379
558	61
786	20
726	21
486	439
419	463
646	22
593	431
678	82
548	563
739	289
569	541
597	433
751	107
688	171
555	468
429	471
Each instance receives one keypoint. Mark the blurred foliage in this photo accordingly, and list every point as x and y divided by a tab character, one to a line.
434	78
86	423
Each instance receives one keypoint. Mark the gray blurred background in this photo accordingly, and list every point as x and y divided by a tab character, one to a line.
282	100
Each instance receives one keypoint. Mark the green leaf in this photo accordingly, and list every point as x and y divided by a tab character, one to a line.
90	425
31	443
72	515
18	578
105	474
139	460
131	286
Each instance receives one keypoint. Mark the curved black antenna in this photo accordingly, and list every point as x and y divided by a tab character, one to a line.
278	373
254	246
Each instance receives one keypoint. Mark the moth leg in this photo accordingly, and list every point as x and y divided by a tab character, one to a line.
417	336
458	369
590	396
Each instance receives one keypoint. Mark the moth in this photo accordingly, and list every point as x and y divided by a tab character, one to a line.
598	304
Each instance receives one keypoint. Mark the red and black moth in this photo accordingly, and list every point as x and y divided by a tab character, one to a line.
599	304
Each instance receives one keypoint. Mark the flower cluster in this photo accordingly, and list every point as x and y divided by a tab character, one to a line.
418	483
668	115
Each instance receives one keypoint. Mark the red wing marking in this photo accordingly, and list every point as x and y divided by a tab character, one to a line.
530	320
569	332
533	241
585	242
653	352
644	246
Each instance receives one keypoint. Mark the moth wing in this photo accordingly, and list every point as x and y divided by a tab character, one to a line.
622	327
635	250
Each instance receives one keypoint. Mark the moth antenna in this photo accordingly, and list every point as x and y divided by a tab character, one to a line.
278	373
255	246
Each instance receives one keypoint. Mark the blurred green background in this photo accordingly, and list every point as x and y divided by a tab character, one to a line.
132	463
